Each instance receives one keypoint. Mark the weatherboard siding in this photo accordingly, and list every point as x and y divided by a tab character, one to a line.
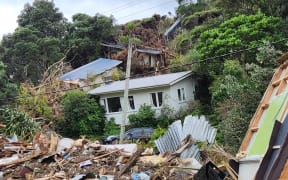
143	96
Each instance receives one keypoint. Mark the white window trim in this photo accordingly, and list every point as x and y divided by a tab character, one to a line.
182	97
157	99
106	105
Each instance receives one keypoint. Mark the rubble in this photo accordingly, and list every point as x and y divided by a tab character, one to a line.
50	156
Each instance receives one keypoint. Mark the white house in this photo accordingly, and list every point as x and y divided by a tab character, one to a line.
175	90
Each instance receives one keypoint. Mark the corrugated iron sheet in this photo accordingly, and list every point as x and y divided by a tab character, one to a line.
198	127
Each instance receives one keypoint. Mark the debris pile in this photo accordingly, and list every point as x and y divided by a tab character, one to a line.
50	156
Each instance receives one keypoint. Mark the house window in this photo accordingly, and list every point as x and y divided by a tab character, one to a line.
157	99
131	102
103	103
181	94
114	104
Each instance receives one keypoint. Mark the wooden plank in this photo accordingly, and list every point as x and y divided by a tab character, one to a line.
284	173
264	106
281	87
18	161
254	129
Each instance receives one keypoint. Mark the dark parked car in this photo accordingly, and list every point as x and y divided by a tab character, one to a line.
143	133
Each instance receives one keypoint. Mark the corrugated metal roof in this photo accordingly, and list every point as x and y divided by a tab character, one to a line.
172	28
142	83
93	68
197	127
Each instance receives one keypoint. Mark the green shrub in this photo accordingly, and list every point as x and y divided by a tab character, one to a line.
82	115
111	127
18	123
144	118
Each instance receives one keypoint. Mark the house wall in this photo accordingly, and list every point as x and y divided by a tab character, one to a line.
189	88
170	98
140	97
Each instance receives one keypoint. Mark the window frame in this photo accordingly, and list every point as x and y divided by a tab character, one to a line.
159	102
181	94
131	104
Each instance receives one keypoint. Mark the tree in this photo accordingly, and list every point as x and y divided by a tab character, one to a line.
82	115
85	35
37	42
241	32
44	17
278	8
7	89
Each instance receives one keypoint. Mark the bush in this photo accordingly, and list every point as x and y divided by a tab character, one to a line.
144	118
18	123
82	115
111	128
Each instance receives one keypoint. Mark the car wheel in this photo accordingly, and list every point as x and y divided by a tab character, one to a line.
115	141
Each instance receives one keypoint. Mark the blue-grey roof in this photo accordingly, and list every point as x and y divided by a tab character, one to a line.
93	68
142	83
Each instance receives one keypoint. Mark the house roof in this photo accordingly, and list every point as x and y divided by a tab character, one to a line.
93	68
142	83
149	51
172	28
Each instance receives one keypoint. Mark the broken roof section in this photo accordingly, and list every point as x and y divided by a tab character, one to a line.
273	107
96	67
198	127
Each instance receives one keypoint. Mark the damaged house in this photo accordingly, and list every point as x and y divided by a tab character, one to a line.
264	150
95	72
144	59
176	90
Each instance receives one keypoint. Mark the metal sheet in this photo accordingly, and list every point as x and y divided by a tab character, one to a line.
198	127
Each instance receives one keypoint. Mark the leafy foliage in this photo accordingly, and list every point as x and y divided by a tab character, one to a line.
144	118
35	106
85	35
82	115
18	123
7	89
36	43
111	128
240	32
276	8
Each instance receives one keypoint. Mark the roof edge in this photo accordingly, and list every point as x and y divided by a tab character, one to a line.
135	89
181	78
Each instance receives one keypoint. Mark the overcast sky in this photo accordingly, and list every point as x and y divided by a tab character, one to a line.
122	10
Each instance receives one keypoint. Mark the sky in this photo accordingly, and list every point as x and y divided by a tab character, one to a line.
122	10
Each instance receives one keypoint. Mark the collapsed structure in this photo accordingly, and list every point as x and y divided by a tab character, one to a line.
51	156
263	153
